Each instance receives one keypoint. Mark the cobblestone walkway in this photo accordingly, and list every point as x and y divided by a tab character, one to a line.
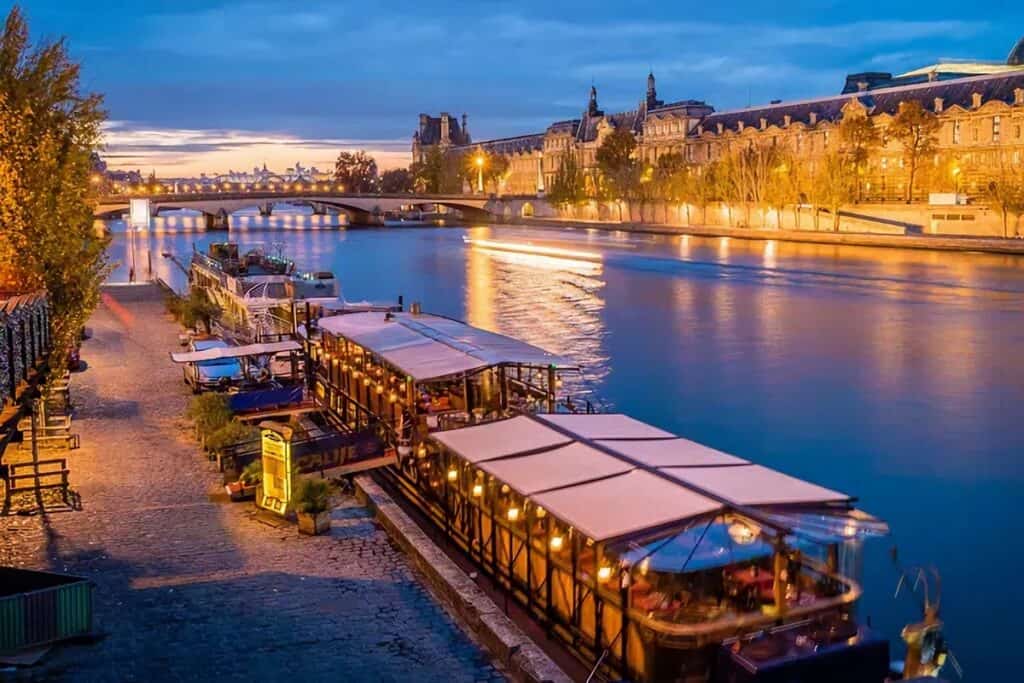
193	588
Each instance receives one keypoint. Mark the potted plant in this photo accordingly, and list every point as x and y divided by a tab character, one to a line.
311	499
248	482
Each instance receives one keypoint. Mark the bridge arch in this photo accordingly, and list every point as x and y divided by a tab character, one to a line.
527	210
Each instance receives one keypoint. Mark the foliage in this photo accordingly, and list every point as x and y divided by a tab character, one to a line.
229	434
568	187
252	473
198	307
833	184
916	130
858	137
48	132
312	496
396	181
209	412
619	171
1006	192
494	167
356	171
438	173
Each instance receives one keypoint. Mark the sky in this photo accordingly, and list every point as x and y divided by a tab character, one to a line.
195	86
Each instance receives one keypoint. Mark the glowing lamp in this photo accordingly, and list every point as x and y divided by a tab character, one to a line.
604	574
393	397
478	490
453	474
556	542
422	451
541	513
742	534
513	514
366	382
380	389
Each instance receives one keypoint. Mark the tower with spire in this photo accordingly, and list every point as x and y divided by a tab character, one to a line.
592	109
652	93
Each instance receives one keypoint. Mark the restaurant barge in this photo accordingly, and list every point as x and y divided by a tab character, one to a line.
650	556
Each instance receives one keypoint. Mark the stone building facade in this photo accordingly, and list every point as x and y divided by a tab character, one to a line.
980	107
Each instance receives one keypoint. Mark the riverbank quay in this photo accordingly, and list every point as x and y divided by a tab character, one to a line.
192	587
992	245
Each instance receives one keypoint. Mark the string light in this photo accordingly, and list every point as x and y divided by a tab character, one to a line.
556	542
604	573
478	490
513	514
453	474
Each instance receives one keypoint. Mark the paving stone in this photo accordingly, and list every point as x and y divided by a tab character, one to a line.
193	589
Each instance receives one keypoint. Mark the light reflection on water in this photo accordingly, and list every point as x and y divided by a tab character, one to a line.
896	375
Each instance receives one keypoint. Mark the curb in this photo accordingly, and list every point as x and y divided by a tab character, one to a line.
522	658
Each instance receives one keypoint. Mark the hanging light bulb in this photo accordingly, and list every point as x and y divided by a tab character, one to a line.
541	513
604	574
478	490
556	542
742	534
393	397
453	474
366	382
513	514
422	451
380	389
645	564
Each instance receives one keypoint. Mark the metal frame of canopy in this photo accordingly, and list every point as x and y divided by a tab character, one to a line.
500	503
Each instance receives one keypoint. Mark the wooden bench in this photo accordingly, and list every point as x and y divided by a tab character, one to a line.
35	476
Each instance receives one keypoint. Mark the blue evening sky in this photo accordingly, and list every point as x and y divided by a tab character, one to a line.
195	85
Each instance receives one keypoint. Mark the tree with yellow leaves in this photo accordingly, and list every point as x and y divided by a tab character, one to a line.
48	130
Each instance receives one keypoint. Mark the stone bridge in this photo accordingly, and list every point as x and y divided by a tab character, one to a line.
366	209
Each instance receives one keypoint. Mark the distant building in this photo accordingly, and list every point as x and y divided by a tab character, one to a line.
980	105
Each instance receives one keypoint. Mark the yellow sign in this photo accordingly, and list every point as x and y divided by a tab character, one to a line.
276	490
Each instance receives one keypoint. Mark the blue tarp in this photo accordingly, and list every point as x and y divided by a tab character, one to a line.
262	399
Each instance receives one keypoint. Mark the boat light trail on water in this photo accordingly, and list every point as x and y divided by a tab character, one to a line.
535	249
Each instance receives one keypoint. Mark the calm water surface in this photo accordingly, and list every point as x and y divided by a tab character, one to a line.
897	376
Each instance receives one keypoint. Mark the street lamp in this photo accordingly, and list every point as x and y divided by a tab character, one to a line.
479	161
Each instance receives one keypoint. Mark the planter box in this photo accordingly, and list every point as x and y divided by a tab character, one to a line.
41	607
314	525
238	491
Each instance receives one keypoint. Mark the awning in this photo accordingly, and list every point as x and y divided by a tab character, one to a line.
236	351
754	485
427	347
565	466
500	439
606	426
625	504
672	453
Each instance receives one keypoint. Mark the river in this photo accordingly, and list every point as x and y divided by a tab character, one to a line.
893	375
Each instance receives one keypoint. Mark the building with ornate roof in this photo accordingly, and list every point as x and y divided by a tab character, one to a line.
980	106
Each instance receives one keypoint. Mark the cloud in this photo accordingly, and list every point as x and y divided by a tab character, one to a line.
187	151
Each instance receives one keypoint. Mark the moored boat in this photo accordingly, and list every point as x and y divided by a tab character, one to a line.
649	555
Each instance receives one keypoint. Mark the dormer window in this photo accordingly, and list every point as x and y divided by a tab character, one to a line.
813	116
721	128
764	123
938	105
976	100
1018	95
739	126
786	120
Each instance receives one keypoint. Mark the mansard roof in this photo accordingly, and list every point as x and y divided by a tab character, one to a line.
630	120
515	145
960	92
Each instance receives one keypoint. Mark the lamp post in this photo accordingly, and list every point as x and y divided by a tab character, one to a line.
479	161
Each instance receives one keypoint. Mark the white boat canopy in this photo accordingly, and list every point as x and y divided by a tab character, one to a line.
634	476
236	351
516	436
427	347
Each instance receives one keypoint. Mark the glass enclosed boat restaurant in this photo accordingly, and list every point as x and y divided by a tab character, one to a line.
651	555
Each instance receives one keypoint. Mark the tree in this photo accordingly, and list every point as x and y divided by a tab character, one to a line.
356	171
437	173
783	187
568	186
492	167
198	307
674	180
916	130
396	181
832	185
49	130
858	137
705	187
620	173
1006	193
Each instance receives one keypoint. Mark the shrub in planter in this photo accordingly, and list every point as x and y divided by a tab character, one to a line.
249	481
209	412
229	434
311	499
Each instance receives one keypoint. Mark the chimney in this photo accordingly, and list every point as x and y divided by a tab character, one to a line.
976	100
813	116
1018	95
786	120
465	127
445	127
423	122
938	105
